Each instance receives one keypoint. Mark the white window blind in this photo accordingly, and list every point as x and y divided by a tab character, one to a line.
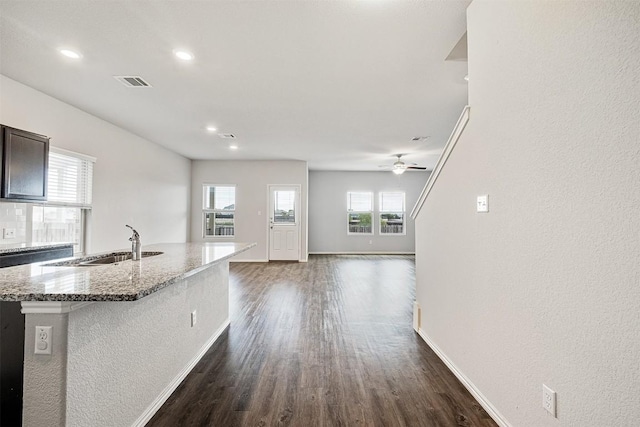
70	179
391	202
359	202
220	197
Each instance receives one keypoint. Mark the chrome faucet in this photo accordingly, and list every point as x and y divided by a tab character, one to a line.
136	246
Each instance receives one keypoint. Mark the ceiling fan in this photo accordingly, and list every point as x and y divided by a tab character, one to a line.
399	166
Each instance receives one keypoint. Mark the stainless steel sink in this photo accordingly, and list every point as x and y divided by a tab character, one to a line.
106	259
115	257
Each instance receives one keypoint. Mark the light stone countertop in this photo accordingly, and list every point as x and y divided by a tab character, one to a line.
122	281
30	247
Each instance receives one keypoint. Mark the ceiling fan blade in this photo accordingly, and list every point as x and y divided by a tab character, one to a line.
417	168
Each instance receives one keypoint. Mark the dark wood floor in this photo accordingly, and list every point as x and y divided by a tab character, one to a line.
324	343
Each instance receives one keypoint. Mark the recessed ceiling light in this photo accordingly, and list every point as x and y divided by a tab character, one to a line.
466	77
211	129
183	54
233	147
70	54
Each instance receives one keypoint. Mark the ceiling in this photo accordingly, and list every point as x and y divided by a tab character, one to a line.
344	85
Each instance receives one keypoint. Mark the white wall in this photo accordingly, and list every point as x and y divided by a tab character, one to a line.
113	362
545	287
136	182
328	210
251	179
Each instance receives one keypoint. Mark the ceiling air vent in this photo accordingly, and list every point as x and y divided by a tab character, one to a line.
132	81
227	136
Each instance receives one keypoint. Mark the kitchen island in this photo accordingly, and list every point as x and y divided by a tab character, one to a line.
123	336
25	253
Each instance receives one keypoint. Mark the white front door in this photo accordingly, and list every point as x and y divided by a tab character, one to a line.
284	222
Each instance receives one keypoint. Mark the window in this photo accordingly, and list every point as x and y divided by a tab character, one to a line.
359	213
219	209
392	213
284	209
62	218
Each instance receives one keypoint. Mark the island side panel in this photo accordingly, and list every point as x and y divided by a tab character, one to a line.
126	357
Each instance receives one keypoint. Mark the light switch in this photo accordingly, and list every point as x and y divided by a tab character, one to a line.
482	204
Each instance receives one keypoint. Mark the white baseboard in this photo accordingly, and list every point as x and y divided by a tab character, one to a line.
261	260
466	382
173	385
363	253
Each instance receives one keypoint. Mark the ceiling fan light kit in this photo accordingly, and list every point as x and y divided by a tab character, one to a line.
399	166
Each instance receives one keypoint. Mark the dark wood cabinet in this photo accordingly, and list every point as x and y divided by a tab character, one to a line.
12	335
25	159
11	363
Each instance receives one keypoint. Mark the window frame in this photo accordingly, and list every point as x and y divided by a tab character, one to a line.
360	212
274	201
381	212
85	206
206	211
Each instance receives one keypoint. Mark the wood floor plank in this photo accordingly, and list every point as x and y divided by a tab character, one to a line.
324	343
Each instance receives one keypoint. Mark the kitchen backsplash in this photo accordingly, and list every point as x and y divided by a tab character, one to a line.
13	216
37	223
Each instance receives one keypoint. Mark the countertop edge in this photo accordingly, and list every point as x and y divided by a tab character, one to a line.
188	274
24	250
119	297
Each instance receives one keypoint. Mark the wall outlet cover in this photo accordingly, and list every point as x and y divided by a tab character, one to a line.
482	203
549	400
43	340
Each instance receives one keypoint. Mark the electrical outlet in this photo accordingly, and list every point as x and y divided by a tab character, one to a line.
43	340
9	233
482	203
549	400
194	319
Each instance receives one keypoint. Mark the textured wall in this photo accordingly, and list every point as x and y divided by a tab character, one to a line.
46	376
123	354
115	358
328	210
545	287
135	181
251	179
